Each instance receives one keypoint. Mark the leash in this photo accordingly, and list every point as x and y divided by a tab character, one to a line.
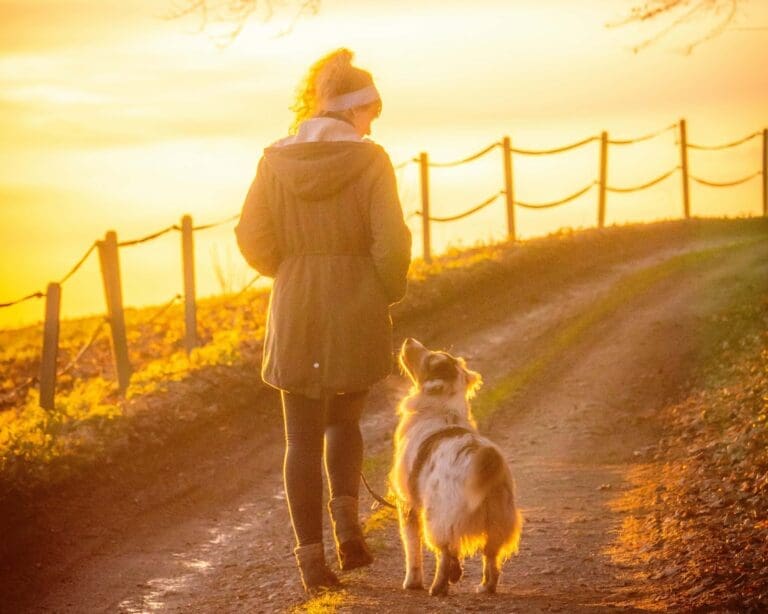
379	499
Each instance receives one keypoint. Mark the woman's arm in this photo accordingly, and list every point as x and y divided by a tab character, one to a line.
391	245
255	232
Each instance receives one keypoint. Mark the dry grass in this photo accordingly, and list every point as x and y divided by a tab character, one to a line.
32	441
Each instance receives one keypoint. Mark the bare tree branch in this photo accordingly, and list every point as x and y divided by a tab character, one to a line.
227	18
655	10
719	28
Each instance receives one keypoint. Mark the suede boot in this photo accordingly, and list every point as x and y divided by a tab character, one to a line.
315	574
350	545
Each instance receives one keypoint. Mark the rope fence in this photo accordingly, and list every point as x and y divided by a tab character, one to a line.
726	145
91	340
557	203
546	152
77	266
248	285
646	137
652	182
150	237
471	158
108	247
23	299
467	213
726	184
108	251
23	386
164	308
94	245
229	220
81	352
402	165
602	182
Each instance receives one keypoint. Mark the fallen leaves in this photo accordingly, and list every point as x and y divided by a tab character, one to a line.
699	524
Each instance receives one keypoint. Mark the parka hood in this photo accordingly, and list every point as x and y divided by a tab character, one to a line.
316	170
323	157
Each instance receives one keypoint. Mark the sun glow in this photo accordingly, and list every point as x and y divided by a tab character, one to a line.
117	119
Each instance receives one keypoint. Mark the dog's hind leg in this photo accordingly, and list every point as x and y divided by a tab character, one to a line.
448	569
455	570
491	570
443	565
410	533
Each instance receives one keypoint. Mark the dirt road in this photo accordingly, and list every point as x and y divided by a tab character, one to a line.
573	378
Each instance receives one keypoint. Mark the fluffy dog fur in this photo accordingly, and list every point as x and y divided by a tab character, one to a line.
454	488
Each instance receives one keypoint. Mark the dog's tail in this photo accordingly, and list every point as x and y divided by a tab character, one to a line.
488	469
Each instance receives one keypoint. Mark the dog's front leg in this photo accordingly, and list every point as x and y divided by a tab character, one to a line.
410	533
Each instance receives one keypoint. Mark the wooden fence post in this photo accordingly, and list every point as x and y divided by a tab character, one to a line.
50	347
110	273
765	172
684	169
603	179
188	260
509	188
424	162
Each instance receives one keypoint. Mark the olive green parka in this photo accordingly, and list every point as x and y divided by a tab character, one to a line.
324	219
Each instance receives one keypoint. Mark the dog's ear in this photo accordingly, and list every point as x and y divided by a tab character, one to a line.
411	357
473	378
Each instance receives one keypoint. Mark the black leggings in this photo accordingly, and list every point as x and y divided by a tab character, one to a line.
306	422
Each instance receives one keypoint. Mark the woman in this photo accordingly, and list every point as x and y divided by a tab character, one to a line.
323	218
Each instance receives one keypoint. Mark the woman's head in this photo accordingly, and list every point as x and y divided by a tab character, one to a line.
333	85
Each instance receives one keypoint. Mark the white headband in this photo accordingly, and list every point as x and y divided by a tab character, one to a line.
358	98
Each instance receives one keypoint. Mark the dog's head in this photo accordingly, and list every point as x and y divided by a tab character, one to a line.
437	372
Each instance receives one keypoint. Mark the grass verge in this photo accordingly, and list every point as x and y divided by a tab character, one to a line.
631	286
695	528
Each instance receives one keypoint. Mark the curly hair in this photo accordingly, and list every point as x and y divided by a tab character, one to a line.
332	75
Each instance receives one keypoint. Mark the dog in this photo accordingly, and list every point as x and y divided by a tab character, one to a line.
454	488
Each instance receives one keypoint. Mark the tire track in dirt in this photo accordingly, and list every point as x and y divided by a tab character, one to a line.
238	559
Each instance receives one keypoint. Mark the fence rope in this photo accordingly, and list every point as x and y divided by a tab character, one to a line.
21	300
154	235
221	223
726	145
63	279
35	378
658	179
557	202
541	152
79	263
248	285
31	381
130	243
402	165
471	158
164	308
452	218
725	184
640	139
85	348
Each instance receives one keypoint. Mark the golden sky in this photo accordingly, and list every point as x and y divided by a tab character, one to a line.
115	118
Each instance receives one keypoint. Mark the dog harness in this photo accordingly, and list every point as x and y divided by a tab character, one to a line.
423	453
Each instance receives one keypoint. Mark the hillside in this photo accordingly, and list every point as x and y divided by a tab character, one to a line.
633	319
